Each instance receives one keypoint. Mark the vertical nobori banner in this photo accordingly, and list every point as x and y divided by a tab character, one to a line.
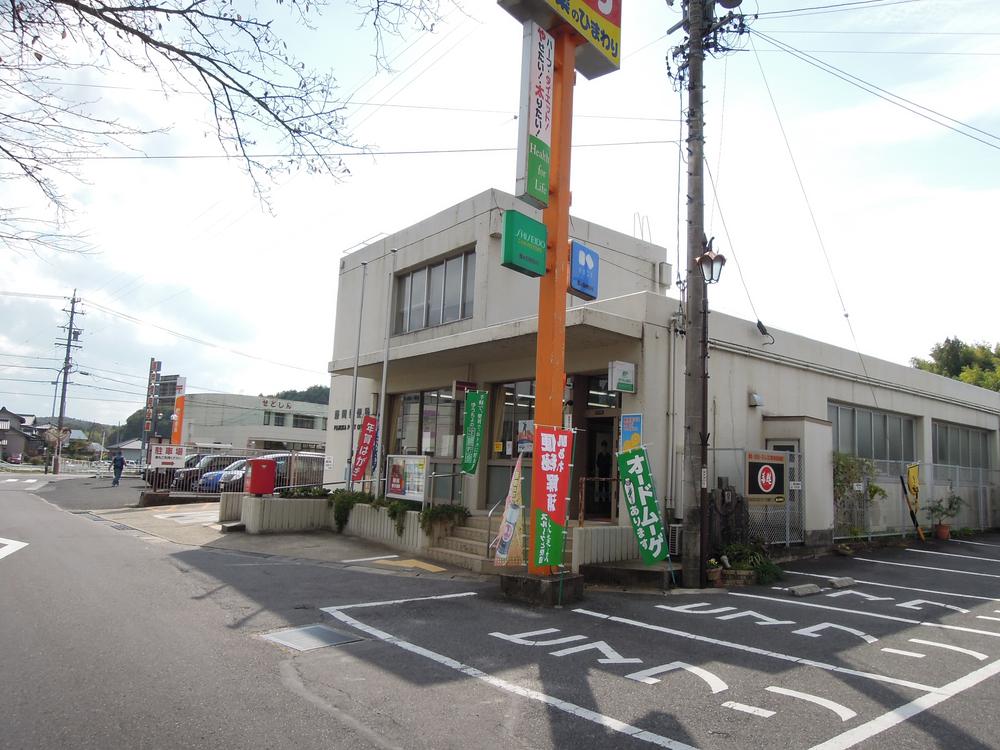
508	542
640	502
534	139
475	417
364	452
553	452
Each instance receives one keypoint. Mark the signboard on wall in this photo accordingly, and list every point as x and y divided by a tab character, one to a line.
475	417
584	271
766	475
621	376
407	477
630	432
524	244
534	139
163	456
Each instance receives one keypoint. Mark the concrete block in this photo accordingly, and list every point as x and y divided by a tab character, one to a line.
842	583
544	591
805	589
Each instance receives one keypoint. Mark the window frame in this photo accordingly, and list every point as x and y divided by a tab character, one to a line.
463	305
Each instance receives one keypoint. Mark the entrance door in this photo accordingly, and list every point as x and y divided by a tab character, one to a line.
785	526
599	486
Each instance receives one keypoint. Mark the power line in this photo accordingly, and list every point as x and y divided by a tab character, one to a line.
821	10
890	52
60	297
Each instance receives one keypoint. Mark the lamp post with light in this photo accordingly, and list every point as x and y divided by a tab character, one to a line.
711	264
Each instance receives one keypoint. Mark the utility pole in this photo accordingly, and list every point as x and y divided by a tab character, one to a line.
72	334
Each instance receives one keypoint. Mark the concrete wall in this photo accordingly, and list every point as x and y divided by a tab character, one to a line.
239	420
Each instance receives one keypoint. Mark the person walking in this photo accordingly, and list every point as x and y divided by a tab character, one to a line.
118	465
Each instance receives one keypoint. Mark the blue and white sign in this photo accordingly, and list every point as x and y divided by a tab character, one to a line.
584	271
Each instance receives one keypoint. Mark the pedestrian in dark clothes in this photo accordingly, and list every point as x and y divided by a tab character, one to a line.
118	465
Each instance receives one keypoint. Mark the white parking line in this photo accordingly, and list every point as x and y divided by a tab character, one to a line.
928	567
843	712
904	588
984	617
331	610
899	652
952	554
371	559
978	544
762	712
968	651
869	729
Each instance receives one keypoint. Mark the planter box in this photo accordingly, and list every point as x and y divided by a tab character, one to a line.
739	577
374	524
262	515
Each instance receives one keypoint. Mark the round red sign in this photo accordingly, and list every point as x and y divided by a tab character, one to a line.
766	478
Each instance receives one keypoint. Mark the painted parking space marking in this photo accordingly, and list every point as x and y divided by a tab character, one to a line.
695	608
753	710
917	604
927	567
869	729
843	712
649	676
521	639
610	655
9	547
861	594
900	652
755	650
429	567
949	647
876	615
815	630
570	708
387	602
903	588
978	544
952	554
371	559
986	617
190	518
761	619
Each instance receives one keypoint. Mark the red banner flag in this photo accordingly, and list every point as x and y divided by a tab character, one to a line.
366	441
553	454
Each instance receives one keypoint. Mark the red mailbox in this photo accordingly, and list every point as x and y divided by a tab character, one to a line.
260	476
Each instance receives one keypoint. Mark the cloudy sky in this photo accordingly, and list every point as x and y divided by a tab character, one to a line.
831	200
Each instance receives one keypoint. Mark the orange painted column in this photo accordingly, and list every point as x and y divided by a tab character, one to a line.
550	356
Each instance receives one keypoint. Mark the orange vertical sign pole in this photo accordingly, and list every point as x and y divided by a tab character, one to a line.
550	356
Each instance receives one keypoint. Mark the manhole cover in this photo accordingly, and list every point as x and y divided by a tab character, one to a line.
310	637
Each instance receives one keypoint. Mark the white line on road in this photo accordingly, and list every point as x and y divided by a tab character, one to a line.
758	651
30	481
649	676
968	651
952	554
928	567
869	729
762	712
9	547
984	617
900	652
843	712
978	544
570	708
371	559
876	615
904	588
331	610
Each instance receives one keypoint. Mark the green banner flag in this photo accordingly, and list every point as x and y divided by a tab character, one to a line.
475	417
640	501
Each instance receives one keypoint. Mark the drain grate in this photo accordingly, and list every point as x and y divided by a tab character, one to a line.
121	527
311	637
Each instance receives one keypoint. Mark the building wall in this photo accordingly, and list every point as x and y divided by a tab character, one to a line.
239	420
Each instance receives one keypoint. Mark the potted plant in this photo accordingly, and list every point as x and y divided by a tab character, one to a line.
713	571
942	511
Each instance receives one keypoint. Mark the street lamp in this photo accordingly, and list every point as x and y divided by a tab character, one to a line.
711	264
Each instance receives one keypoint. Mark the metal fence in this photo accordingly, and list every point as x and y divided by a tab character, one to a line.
857	517
220	470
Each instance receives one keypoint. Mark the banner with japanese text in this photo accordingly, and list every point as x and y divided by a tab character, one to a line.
366	441
553	455
640	503
508	543
475	418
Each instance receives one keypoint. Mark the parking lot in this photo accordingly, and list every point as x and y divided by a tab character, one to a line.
907	656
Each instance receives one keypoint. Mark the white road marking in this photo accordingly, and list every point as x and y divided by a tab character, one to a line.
610	655
984	617
759	651
903	588
872	614
584	713
814	631
862	594
869	729
693	609
648	676
968	651
189	518
521	639
978	544
331	610
843	712
9	547
899	652
952	554
915	604
11	480
371	559
761	619
928	567
30	481
762	712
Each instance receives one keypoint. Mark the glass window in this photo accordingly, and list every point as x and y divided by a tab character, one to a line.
279	420
895	435
864	425
515	428
469	285
881	448
418	300
846	431
953	449
452	290
909	444
435	295
964	459
304	421
409	425
402	303
428	424
324	422
267	418
831	414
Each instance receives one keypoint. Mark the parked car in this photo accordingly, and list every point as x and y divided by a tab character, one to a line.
160	477
185	479
211	481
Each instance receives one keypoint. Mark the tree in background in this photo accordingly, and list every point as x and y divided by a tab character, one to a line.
316	394
254	86
976	364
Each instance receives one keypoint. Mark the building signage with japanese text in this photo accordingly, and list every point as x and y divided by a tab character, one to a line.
524	244
550	492
475	417
164	456
766	475
621	377
407	477
584	271
534	139
640	503
366	440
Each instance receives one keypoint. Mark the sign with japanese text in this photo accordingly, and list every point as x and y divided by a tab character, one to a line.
167	456
598	21
534	139
630	432
366	442
621	376
475	417
640	503
553	456
407	477
508	542
766	475
524	244
584	271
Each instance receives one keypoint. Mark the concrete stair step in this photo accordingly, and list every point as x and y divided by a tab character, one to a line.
475	563
471	533
469	546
